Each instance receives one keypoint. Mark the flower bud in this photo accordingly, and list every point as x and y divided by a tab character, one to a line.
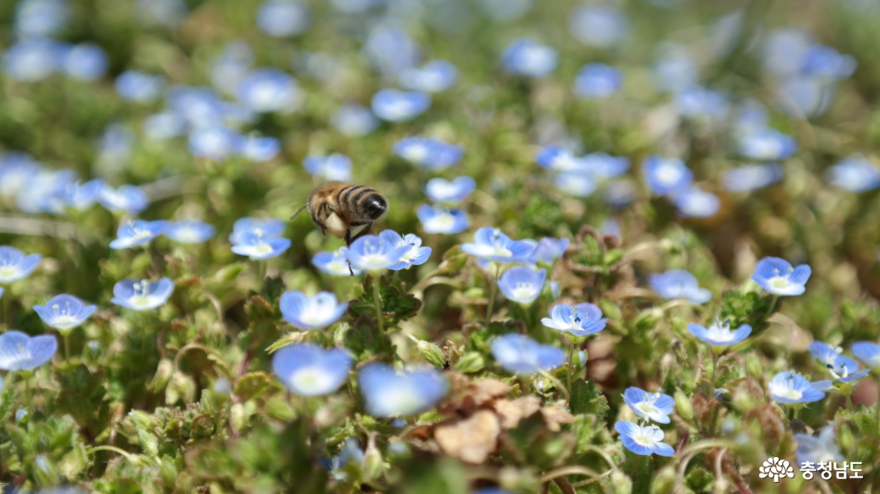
621	483
648	318
163	375
470	362
373	466
238	417
683	405
431	352
664	482
753	367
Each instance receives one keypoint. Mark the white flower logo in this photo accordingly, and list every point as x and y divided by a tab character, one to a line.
776	468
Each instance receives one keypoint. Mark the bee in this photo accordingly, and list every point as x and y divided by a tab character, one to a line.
347	210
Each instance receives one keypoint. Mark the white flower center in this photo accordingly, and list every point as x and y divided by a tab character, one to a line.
668	174
311	380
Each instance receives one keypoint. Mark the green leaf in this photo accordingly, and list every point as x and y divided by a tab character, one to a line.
396	306
585	399
83	396
364	340
700	480
251	385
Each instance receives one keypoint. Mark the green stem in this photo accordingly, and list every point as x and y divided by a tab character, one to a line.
66	336
7	309
492	290
378	301
570	365
714	369
128	456
261	275
770	309
849	403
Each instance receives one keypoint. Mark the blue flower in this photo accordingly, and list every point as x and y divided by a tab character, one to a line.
14	265
189	231
831	359
790	388
20	352
520	354
749	178
530	58
867	352
334	167
399	106
778	277
603	165
388	393
643	441
649	406
283	18
335	263
258	149
522	285
164	125
578	184
600	26
36	18
114	148
437	219
2	290
698	102
828	64
391	49
259	247
417	255
767	145
32	59
231	66
213	142
666	176
432	154
137	232
750	117
139	87
854	174
678	283
674	72
785	51
433	77
64	312
309	370
371	253
619	193
597	81
801	97
548	250
45	192
307	313
126	198
491	244
267	227
719	334
83	196
579	320
351	453
16	169
268	90
843	382
354	120
86	62
559	159
696	203
450	192
142	294
819	449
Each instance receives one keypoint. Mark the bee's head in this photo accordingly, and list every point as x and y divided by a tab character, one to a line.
375	206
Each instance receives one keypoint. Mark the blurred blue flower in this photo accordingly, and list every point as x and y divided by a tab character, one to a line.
699	102
371	253
283	18
257	149
40	17
309	370
719	335
597	81
678	283
828	64
748	178
520	354
189	231
600	26
831	359
83	196
434	77
214	143
332	167
785	51
578	184
611	227
259	247
351	453
142	294
168	13
267	227
530	58
388	393
45	192
20	352
139	87
656	407
789	388
821	449
767	145
854	174
450	192
114	148
548	250
674	71
619	193
268	90
417	255
16	169
603	165
354	120
14	265
559	159
399	106
437	219
126	198
137	232
307	313
803	96
429	153
335	263
200	106
391	48
696	203
643	441
867	352
580	320
64	312
778	277
86	62
522	285
842	381
751	116
32	59
491	244
231	66
2	291
164	125
666	175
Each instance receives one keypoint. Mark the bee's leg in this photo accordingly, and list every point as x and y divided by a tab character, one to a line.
348	237
366	231
350	270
